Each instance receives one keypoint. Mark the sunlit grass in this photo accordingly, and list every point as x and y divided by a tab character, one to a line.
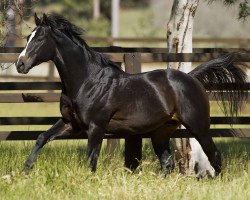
62	172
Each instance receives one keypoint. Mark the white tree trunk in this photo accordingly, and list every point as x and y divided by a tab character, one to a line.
10	27
96	9
115	9
188	153
180	29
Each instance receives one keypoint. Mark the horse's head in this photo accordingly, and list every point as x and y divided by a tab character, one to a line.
40	47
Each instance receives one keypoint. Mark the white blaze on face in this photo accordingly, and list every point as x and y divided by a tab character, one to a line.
25	49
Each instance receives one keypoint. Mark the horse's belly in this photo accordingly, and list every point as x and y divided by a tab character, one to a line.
136	125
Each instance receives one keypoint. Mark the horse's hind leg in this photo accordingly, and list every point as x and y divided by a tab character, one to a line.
211	151
198	125
192	110
160	141
59	129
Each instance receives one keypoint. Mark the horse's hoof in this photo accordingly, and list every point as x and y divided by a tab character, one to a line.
217	169
217	172
168	171
26	172
26	169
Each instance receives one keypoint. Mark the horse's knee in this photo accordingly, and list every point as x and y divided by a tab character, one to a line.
41	140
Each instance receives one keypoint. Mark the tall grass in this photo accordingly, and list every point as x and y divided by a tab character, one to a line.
62	172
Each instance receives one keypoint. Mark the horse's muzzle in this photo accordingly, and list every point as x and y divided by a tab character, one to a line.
20	66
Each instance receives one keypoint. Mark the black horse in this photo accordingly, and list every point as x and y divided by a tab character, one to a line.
98	97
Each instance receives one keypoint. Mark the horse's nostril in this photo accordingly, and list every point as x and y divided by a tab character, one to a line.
19	64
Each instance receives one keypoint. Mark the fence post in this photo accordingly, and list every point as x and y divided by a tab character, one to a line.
51	73
133	143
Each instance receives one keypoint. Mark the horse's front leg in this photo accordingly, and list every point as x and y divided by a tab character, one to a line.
59	129
95	138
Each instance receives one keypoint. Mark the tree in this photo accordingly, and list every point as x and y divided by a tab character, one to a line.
179	40
12	15
10	19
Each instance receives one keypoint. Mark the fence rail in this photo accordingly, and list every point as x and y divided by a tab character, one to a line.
239	42
148	55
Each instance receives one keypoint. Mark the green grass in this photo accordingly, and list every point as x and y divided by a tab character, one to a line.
62	172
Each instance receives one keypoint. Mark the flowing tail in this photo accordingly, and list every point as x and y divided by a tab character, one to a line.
228	78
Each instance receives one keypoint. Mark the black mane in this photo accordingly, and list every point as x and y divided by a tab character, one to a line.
56	21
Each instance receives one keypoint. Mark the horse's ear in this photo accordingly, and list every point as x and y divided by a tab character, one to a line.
45	19
37	20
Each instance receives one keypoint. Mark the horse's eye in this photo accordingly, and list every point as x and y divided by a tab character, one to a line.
39	39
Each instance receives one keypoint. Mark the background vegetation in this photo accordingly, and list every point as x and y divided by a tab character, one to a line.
144	18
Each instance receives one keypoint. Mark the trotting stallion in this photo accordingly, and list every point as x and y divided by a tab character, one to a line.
98	97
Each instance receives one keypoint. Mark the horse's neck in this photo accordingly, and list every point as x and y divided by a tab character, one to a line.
73	68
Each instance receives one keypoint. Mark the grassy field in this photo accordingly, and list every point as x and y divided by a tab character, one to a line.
62	172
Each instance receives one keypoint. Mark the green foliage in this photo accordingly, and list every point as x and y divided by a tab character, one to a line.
81	13
145	26
230	2
106	9
243	6
76	8
100	27
135	3
244	9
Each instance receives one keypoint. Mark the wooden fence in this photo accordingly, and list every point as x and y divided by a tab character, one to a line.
147	55
132	58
